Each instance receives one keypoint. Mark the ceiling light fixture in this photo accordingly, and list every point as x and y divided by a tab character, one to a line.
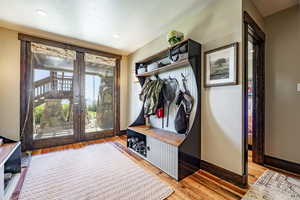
41	12
116	36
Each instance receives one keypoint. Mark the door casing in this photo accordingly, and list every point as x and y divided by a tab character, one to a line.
251	28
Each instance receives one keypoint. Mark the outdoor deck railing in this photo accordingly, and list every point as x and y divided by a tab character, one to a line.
56	87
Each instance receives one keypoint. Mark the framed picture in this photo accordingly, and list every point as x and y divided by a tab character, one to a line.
221	66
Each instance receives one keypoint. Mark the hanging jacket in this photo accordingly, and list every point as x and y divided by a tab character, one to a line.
150	95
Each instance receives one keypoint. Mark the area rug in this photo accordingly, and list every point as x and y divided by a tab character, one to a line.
94	172
274	186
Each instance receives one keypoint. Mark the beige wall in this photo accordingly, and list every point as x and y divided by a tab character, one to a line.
282	75
9	83
216	25
10	77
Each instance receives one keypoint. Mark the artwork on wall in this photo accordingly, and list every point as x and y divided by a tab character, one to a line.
221	66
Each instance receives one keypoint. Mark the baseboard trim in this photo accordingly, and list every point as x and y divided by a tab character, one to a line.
191	160
187	165
282	164
236	179
122	132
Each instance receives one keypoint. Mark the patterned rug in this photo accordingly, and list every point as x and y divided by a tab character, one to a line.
274	186
94	172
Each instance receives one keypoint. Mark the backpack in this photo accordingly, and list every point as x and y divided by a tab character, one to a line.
181	122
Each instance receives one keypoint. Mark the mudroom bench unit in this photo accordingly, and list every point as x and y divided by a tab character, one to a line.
161	147
176	154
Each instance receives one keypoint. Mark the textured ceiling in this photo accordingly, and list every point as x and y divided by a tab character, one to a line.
121	24
269	7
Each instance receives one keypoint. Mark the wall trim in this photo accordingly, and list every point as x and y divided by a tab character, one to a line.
258	144
187	164
236	179
122	132
190	160
282	164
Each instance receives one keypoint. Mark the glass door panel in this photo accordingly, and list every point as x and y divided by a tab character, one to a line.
98	96
53	77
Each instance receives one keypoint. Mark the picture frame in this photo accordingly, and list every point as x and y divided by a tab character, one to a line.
220	66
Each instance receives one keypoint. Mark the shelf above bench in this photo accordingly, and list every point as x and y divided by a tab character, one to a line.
165	68
160	134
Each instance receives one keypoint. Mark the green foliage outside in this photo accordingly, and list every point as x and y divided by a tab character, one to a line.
91	114
91	111
39	110
37	113
65	108
92	108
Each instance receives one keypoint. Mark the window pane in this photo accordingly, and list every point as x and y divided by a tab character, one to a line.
99	84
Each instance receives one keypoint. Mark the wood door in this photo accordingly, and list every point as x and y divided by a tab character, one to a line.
254	35
53	106
53	96
98	88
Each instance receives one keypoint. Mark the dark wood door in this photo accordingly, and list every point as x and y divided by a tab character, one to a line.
67	95
98	89
54	97
256	37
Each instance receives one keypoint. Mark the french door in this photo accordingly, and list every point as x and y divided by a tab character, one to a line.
97	97
68	94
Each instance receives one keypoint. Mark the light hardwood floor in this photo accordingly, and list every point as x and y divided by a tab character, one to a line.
200	185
